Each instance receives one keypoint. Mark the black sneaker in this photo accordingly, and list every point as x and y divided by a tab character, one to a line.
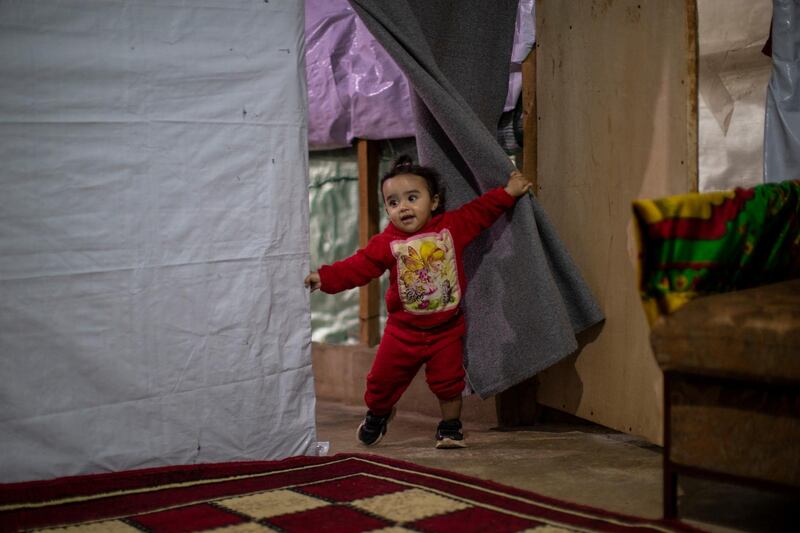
373	428
448	434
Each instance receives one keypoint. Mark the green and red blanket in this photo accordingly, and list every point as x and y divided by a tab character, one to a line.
704	243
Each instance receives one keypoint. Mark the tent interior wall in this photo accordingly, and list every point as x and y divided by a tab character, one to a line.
626	106
153	237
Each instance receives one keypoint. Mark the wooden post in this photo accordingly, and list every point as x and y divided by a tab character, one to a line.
529	120
368	216
517	406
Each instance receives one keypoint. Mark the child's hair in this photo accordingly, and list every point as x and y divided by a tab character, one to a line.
405	165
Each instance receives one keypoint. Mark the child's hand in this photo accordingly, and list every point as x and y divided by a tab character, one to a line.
517	184
313	281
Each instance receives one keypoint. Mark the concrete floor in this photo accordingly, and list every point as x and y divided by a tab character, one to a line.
581	463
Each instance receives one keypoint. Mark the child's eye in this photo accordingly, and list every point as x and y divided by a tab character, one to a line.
412	198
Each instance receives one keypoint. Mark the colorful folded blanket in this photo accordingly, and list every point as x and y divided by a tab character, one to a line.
703	243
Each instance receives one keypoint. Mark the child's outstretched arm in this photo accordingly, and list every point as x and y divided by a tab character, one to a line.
312	281
366	264
480	213
517	184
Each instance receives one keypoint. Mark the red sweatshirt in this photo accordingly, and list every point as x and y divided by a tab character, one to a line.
427	279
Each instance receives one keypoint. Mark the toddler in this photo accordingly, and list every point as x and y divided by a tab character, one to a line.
422	247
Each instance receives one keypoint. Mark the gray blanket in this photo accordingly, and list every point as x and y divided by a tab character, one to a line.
526	299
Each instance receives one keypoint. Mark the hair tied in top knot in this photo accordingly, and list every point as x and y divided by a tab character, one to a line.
403	163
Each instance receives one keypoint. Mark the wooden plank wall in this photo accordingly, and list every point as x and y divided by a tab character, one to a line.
616	91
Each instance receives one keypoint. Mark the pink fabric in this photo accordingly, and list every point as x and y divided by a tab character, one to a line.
356	90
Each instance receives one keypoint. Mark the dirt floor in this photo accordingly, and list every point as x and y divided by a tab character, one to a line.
577	462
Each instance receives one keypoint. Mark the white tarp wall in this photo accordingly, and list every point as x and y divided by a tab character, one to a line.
153	235
732	88
782	129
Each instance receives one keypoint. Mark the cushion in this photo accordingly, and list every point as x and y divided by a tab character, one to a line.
750	334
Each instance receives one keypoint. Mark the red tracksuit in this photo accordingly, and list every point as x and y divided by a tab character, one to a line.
427	283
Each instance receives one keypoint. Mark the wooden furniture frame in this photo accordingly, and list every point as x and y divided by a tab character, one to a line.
732	389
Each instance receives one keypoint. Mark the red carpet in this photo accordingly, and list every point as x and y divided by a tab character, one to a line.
343	493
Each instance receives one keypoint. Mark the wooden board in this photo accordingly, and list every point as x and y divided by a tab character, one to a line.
616	90
369	296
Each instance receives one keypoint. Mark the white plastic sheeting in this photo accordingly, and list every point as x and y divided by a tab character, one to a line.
153	235
524	40
733	76
782	129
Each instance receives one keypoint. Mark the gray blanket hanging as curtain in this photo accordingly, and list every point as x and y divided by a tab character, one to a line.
526	299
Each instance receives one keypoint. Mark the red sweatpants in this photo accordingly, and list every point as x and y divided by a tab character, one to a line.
404	350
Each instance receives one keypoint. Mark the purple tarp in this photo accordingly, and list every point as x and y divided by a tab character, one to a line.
355	90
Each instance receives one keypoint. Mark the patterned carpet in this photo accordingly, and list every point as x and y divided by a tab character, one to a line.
343	493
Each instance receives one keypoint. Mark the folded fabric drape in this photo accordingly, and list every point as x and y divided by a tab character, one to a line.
526	298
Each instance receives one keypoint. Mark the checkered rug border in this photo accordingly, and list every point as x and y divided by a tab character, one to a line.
342	493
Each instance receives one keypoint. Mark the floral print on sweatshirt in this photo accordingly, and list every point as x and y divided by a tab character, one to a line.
427	275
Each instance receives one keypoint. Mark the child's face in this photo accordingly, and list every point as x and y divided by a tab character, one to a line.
408	202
